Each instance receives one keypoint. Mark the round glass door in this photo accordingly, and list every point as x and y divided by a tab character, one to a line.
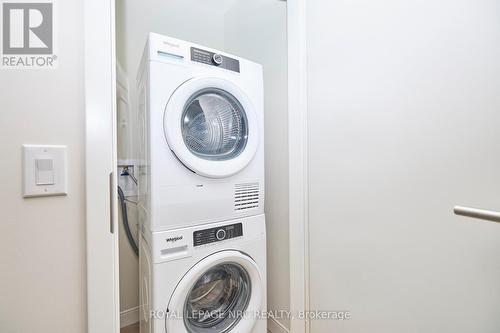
211	126
218	299
218	294
214	125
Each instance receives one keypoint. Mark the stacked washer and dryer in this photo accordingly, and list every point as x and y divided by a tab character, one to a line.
201	185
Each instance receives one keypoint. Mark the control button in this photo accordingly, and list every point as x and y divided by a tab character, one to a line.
217	59
221	234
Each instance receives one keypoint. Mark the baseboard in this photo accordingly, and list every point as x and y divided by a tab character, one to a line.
275	326
129	316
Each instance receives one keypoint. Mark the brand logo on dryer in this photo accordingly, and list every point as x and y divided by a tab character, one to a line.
170	44
174	239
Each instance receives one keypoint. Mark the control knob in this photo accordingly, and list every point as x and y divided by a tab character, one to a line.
221	234
217	59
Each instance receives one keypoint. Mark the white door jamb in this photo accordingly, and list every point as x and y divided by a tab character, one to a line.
298	164
100	162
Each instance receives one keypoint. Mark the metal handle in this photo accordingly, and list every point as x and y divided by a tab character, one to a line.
476	213
112	190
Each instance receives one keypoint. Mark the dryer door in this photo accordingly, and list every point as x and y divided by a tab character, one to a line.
211	126
221	293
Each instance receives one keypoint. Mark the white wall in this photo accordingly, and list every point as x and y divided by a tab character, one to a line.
404	124
256	30
42	251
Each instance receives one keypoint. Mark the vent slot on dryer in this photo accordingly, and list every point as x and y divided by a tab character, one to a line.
246	196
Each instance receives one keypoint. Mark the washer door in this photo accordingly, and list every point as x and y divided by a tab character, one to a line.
215	295
211	127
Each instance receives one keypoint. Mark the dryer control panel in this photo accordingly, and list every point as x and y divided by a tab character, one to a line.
214	59
212	235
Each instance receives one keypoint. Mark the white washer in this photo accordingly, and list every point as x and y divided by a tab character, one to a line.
202	132
208	279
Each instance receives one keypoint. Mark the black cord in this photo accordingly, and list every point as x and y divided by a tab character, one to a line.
126	225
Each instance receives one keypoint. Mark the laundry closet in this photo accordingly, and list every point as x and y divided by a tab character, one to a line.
202	164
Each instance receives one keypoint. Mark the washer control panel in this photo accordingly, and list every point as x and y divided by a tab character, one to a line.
212	235
214	59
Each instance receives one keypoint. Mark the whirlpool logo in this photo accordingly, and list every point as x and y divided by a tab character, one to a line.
28	34
174	239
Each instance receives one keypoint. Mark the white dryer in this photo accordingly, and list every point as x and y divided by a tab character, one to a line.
202	133
209	279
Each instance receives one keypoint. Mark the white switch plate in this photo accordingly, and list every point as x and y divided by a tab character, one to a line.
53	182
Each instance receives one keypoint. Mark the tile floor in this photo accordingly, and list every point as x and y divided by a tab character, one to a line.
134	328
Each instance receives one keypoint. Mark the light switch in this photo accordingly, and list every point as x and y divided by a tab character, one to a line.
44	170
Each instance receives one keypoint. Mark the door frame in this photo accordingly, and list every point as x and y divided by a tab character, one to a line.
101	162
103	302
298	165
